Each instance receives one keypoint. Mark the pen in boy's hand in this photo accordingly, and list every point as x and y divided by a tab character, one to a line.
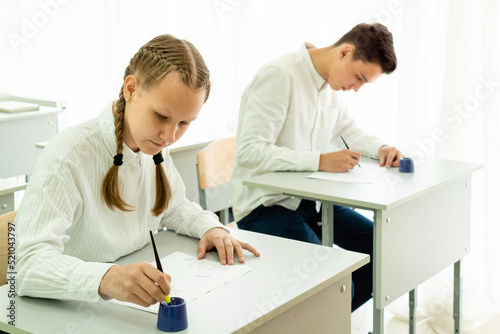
348	147
158	263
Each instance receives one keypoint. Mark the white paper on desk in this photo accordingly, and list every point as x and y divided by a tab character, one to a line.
368	173
192	278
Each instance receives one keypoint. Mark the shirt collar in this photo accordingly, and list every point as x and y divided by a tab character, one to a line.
107	127
318	81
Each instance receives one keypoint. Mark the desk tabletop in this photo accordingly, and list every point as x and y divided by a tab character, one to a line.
8	186
287	273
44	110
390	189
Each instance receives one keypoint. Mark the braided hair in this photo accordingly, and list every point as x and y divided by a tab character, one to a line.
154	60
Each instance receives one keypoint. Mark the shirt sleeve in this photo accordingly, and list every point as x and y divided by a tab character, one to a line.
264	110
183	216
42	269
357	139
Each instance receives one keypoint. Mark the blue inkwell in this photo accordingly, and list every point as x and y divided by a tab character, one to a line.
406	165
172	317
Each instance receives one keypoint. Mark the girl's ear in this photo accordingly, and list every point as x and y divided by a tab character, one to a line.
130	87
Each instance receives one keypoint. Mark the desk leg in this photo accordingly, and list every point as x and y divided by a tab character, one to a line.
378	314
413	311
327	223
457	300
378	320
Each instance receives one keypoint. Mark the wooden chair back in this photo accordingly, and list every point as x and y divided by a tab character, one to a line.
5	220
215	168
216	162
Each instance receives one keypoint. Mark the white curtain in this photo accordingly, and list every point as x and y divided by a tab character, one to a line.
471	126
442	101
490	126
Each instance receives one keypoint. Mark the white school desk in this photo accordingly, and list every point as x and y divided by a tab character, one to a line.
7	190
294	287
421	224
20	131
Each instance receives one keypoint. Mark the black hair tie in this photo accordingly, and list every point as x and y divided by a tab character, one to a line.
158	158
118	160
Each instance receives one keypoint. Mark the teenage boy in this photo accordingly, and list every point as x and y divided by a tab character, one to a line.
287	117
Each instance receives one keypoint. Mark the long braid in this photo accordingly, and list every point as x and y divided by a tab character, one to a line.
163	191
118	115
110	188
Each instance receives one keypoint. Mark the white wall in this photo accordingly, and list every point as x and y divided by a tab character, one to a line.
77	50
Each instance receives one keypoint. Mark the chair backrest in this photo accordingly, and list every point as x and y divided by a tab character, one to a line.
216	162
5	220
215	169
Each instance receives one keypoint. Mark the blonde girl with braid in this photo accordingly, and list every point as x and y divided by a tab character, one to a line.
99	188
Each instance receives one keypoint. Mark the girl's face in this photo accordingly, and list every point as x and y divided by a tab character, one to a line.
158	117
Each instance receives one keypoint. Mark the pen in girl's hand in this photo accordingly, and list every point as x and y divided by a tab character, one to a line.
158	263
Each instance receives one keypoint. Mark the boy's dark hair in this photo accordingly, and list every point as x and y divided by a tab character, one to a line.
373	43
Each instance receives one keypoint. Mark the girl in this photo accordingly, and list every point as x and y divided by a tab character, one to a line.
91	197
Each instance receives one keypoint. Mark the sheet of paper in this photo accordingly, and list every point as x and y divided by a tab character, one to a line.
192	278
368	173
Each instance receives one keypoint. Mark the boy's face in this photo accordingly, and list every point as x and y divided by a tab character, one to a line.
158	117
347	74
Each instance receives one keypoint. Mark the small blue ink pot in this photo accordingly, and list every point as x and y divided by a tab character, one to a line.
406	165
172	317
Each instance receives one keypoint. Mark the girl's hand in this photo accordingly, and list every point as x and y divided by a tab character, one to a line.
225	245
138	283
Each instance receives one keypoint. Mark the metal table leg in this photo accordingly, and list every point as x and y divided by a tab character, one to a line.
413	311
327	223
378	320
457	300
378	314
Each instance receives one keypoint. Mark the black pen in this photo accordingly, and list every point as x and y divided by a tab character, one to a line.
158	263
347	147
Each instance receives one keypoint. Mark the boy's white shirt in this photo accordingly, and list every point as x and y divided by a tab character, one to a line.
67	235
288	115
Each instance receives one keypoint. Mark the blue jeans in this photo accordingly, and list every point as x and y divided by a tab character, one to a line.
352	231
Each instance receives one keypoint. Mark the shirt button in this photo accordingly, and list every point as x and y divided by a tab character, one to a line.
132	169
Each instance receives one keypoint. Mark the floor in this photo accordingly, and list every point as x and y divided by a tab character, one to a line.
396	322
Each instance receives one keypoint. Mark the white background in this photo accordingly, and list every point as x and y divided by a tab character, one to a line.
442	101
